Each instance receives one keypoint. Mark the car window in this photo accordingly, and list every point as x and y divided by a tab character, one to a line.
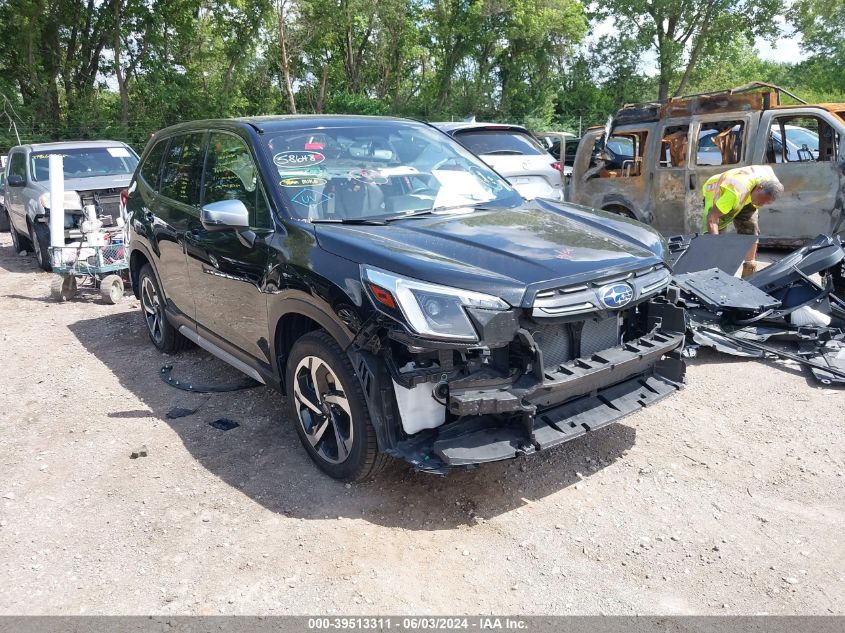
151	169
230	174
720	143
620	157
801	139
85	162
673	146
383	168
17	165
182	171
501	142
571	151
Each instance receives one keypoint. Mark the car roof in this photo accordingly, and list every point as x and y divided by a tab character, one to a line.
454	126
70	145
279	122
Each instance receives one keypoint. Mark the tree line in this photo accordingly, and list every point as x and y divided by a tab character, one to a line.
125	68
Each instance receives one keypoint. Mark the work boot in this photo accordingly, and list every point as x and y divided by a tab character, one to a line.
748	268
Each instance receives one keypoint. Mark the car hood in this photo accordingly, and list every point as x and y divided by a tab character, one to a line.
90	184
503	252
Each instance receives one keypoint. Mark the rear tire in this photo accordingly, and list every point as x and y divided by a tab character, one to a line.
164	336
329	410
19	242
5	223
620	210
39	236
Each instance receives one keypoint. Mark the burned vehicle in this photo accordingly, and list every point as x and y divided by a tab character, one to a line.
403	296
674	147
95	173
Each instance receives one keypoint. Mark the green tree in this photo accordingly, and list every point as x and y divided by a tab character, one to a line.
679	32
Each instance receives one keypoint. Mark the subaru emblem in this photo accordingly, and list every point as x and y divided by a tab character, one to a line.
616	295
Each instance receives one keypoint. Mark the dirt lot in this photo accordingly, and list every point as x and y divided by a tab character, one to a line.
727	498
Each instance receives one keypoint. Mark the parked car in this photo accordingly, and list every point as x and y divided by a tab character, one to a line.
405	298
676	146
552	142
95	173
514	153
801	144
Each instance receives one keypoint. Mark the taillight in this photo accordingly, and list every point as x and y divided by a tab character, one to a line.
124	198
558	167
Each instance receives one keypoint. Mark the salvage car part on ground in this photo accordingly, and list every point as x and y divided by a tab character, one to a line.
166	374
757	317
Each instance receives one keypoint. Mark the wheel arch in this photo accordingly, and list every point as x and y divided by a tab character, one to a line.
615	203
298	316
137	258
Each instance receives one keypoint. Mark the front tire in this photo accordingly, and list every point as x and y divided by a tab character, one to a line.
164	336
328	407
39	236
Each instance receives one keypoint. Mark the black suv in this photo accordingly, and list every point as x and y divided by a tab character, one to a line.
403	296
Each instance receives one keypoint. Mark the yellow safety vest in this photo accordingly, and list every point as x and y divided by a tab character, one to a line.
739	183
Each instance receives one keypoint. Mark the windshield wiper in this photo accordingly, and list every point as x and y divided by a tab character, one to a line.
435	211
348	221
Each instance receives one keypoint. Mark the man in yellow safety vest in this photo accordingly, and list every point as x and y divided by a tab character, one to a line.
734	196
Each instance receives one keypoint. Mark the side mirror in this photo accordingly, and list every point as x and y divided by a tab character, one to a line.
228	215
225	215
14	180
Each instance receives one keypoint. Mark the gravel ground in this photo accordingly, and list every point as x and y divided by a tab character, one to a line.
726	498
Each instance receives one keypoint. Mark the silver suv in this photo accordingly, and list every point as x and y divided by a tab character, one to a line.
95	173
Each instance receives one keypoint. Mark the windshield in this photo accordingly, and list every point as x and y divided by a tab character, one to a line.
502	142
386	168
87	162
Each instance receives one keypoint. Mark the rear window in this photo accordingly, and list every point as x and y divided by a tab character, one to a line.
501	142
89	162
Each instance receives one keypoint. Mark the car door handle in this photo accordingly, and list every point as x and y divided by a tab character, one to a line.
691	182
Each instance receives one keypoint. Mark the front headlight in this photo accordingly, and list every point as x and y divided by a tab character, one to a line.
429	309
72	201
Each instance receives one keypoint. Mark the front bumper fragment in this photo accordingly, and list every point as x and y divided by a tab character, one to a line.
577	377
533	413
463	445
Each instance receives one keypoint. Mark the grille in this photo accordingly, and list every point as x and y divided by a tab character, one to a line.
555	341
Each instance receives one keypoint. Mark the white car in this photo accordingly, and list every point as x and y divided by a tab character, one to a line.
513	152
801	144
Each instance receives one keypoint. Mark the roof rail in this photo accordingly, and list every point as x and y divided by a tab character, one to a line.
753	85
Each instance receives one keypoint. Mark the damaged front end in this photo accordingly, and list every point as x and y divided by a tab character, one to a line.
485	381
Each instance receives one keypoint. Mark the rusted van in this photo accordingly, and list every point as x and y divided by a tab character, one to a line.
656	158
